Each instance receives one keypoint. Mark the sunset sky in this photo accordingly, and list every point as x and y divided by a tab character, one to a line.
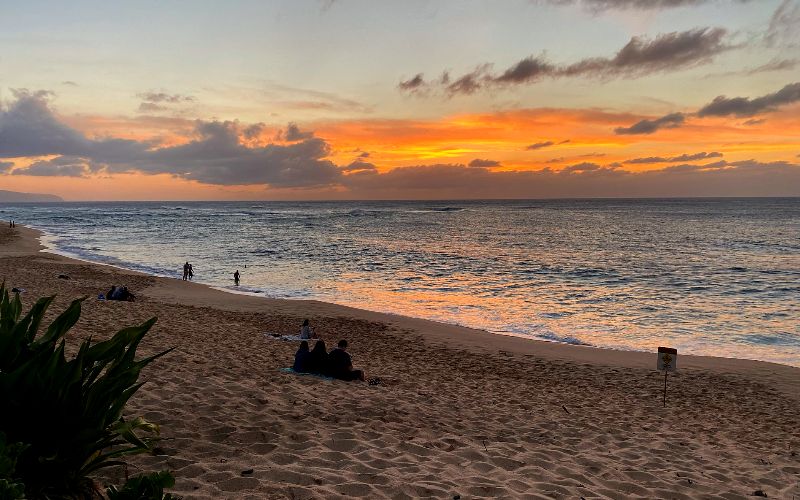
381	99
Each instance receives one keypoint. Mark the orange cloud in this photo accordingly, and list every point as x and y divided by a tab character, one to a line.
568	140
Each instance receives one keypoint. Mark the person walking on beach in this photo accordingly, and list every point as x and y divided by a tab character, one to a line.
236	278
186	271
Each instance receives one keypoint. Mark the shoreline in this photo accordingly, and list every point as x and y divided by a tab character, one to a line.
460	411
176	291
386	317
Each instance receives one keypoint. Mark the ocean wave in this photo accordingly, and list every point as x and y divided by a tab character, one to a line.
563	339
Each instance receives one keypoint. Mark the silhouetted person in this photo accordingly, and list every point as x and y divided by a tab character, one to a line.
318	360
340	365
191	272
306	332
302	358
120	293
126	295
186	271
236	277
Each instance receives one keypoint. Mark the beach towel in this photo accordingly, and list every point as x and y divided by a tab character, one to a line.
371	381
317	375
288	338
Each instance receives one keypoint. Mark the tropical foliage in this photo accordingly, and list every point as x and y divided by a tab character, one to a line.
147	486
61	419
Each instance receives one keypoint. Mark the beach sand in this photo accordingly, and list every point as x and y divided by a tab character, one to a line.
460	411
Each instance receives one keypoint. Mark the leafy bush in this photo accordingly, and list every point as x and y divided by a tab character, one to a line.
9	489
68	413
150	486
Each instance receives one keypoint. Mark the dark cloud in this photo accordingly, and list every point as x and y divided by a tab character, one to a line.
363	154
754	121
28	128
151	107
562	159
672	120
412	84
358	166
581	167
5	166
744	107
639	57
442	181
163	97
540	145
469	83
674	159
478	163
293	134
527	70
722	106
253	131
685	167
215	156
61	166
157	102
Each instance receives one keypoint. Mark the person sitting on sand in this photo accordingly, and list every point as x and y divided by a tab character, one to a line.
318	360
340	365
306	332
302	358
126	295
120	293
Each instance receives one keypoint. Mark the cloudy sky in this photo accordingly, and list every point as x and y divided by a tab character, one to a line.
390	99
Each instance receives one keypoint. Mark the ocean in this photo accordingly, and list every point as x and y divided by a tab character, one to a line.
717	277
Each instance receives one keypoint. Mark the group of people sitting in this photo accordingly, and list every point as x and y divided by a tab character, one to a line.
337	363
119	293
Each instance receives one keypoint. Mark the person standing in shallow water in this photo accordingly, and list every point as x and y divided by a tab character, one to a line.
236	278
191	272
186	271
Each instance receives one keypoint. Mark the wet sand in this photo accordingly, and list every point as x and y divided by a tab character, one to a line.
460	411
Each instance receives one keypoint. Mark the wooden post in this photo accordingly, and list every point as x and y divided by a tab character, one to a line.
667	361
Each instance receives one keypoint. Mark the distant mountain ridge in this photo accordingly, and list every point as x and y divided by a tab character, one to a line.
13	197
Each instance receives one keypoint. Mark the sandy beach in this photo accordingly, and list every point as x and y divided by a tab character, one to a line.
460	412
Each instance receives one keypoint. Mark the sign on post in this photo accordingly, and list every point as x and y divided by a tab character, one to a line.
668	362
667	359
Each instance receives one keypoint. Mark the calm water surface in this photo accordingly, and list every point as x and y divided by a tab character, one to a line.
714	277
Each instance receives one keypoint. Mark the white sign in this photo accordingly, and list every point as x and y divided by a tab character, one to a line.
667	359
